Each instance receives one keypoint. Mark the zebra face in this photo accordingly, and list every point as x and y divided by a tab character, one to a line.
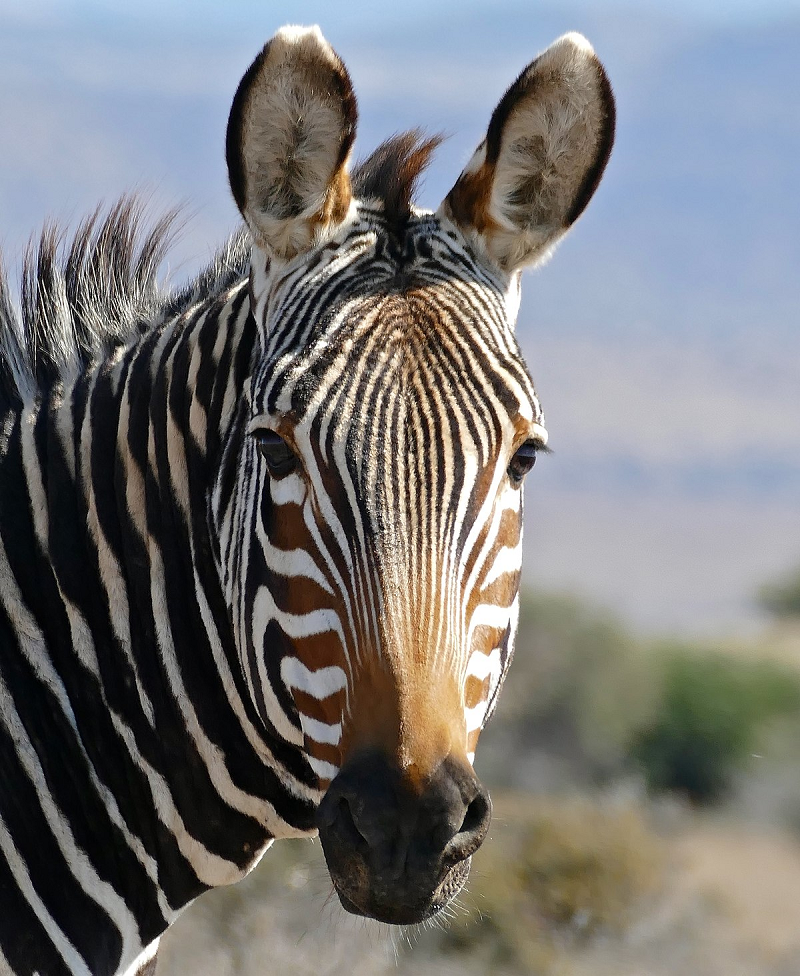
390	423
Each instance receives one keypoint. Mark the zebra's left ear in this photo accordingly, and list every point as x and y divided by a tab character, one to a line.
290	132
544	153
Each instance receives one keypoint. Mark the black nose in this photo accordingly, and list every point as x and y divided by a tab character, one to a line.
397	851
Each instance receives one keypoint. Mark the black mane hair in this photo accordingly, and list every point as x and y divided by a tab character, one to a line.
82	300
392	172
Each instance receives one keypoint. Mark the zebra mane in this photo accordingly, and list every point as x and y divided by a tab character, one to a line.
391	173
82	299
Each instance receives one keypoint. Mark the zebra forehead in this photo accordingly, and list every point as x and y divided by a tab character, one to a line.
422	320
404	354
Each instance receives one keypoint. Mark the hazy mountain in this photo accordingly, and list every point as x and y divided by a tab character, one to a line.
663	335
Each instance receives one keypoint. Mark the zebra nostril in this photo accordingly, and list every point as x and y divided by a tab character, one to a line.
478	812
473	829
347	829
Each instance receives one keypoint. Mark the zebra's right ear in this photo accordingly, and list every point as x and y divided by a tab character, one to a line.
290	132
545	150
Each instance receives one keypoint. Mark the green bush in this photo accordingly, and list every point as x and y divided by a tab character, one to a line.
580	687
782	598
712	709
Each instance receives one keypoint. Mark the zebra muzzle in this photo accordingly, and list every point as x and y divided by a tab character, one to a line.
398	851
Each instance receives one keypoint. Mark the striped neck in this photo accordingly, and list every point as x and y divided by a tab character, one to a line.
117	641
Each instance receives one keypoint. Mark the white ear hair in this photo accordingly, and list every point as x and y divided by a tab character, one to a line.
290	131
545	150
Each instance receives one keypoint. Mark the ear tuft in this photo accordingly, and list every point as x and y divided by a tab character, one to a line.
545	150
290	132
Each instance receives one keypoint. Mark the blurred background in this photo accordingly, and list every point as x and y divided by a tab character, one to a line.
645	757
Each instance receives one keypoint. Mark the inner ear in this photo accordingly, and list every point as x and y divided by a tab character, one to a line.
290	133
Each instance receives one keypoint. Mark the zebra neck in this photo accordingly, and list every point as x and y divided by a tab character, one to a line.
134	778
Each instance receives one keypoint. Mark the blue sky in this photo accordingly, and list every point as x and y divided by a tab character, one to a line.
205	14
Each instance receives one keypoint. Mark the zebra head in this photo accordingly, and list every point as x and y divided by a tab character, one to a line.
373	568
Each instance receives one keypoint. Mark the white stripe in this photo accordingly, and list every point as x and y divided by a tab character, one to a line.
321	731
111	577
482	665
290	490
143	957
5	966
319	684
210	868
232	335
278	827
292	563
489	518
212	756
474	716
488	615
539	432
264	611
324	770
198	417
32	644
508	560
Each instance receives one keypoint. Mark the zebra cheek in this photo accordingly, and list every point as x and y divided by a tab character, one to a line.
319	694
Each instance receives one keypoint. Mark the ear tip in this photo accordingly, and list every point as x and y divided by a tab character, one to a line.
296	36
576	41
294	32
574	54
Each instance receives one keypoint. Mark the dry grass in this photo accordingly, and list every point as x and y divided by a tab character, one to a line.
557	874
576	887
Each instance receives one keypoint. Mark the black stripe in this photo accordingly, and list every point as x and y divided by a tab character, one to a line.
78	916
24	941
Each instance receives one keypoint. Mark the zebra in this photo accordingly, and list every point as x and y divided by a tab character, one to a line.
260	536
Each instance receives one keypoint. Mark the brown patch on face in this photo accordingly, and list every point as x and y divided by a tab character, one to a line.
502	591
286	530
325	753
475	691
328	711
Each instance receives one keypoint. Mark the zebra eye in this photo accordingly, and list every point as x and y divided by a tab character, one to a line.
276	452
522	461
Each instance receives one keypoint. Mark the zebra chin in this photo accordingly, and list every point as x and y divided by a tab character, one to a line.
399	852
404	908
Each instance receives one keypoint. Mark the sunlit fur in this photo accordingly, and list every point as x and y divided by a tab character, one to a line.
191	646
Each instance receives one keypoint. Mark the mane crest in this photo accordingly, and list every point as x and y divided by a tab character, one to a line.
82	299
391	173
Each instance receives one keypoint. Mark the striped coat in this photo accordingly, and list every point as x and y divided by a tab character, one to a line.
260	539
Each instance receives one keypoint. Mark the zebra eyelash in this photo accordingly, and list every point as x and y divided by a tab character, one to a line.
523	460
